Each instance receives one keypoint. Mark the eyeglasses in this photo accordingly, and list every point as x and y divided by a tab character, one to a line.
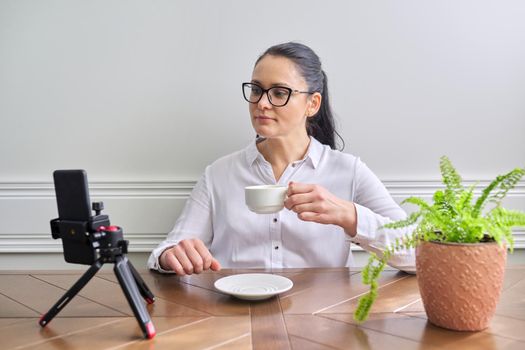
277	95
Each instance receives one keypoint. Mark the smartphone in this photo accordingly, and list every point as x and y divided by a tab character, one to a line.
74	214
72	192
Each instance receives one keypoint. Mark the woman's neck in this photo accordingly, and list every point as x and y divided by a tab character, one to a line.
280	152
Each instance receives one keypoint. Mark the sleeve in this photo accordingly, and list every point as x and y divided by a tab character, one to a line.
375	208
195	221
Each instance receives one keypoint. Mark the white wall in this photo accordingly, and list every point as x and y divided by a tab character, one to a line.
144	94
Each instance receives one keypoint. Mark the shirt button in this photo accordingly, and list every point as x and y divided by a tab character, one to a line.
274	219
276	247
293	165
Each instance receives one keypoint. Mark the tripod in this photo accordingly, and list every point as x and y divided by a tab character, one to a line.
109	246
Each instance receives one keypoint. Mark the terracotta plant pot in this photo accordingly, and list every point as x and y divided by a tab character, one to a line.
460	284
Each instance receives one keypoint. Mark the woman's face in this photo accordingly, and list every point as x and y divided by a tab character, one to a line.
289	120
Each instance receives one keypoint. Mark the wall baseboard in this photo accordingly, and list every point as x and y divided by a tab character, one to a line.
147	210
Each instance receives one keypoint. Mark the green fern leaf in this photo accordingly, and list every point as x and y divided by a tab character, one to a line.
423	205
508	182
465	199
507	218
451	177
412	219
504	183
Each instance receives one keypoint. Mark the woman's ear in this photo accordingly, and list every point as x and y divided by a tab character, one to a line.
314	104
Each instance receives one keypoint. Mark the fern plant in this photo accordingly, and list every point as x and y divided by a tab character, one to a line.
454	216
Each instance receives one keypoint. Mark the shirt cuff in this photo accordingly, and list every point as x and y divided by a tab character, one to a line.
371	238
153	261
363	227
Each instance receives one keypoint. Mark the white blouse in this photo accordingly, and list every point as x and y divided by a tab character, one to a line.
238	238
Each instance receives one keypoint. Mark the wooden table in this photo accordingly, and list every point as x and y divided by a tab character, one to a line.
189	314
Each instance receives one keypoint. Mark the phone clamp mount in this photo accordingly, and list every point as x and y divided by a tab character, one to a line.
107	246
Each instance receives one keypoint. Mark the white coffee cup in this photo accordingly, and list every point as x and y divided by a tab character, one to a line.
265	199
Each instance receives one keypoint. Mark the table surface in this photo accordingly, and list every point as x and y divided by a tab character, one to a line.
190	314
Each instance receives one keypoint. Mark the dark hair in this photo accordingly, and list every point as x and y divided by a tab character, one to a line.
321	125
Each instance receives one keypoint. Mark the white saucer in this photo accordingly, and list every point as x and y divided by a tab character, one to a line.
253	286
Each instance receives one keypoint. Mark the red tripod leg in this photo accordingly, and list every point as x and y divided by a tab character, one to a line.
143	288
131	291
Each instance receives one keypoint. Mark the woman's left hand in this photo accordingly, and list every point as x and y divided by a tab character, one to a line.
315	203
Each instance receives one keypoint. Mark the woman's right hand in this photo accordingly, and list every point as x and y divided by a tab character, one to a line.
188	257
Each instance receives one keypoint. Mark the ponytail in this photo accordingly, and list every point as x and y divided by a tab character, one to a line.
321	125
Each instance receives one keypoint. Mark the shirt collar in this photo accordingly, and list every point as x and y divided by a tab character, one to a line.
313	155
252	153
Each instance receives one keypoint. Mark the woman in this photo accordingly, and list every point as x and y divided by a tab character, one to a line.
333	199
